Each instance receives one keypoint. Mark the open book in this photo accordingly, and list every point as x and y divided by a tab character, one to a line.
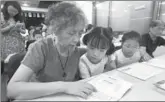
141	70
160	84
109	88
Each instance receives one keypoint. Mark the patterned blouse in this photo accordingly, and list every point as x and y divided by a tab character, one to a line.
11	41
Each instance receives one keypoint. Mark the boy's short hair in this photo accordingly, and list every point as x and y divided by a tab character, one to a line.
131	35
155	23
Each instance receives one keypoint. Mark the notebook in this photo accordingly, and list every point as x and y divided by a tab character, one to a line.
109	88
157	63
141	71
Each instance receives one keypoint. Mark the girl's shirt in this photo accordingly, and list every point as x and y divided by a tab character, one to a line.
120	60
88	69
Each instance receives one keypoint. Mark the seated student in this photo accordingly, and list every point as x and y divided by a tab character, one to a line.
129	53
152	40
37	34
15	60
93	62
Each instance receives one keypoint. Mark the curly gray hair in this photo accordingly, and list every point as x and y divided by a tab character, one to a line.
63	15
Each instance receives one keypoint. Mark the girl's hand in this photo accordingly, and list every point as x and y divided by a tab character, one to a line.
80	89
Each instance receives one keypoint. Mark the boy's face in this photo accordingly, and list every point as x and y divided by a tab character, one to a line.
95	54
38	37
129	47
157	31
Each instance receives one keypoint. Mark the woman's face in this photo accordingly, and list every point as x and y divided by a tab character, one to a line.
70	36
12	11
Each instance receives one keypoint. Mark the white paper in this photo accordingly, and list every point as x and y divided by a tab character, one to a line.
141	70
160	84
157	63
109	88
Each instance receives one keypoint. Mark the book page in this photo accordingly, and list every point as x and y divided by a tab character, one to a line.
141	70
108	88
157	63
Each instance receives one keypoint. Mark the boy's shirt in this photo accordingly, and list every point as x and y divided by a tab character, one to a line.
121	60
88	69
150	44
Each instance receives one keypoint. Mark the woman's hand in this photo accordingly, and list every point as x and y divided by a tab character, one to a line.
80	89
19	25
11	25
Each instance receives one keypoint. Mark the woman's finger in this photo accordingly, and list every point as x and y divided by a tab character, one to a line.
91	87
82	94
87	91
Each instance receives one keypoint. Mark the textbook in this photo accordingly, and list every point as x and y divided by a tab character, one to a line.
160	84
109	88
141	71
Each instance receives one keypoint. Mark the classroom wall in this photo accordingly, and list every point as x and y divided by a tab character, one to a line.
86	7
120	16
141	16
162	13
102	12
126	15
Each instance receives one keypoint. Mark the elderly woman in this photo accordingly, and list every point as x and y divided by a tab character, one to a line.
54	61
150	41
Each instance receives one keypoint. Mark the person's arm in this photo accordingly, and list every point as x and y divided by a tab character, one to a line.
111	64
143	46
145	56
7	28
19	88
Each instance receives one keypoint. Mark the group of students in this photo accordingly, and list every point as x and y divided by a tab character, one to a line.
135	48
57	63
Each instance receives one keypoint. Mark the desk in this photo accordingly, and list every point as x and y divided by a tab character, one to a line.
141	90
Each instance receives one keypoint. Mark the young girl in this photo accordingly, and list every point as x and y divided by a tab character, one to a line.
129	53
93	62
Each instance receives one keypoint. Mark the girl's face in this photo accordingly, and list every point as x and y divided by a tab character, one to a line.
94	54
129	47
12	11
